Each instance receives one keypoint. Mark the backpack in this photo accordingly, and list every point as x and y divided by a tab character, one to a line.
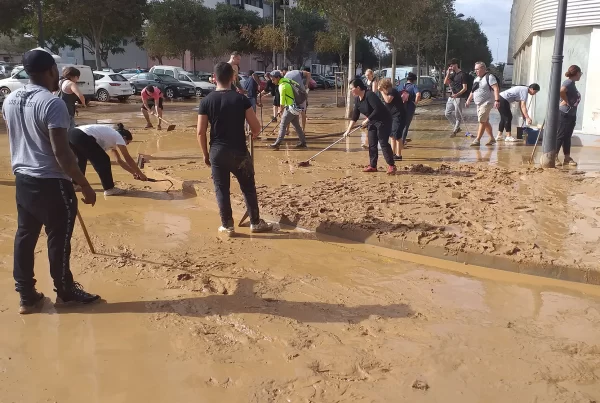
300	94
487	79
407	92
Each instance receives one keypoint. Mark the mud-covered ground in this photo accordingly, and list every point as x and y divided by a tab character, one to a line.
296	316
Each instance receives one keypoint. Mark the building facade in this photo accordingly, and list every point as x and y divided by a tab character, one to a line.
531	44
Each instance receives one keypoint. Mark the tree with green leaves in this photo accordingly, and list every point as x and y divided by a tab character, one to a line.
267	39
354	16
102	19
230	19
332	42
176	26
303	25
221	45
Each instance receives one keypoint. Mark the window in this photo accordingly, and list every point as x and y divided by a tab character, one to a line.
98	76
117	77
158	71
22	75
167	72
183	78
144	76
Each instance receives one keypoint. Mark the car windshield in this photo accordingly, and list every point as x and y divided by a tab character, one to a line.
117	77
194	77
166	78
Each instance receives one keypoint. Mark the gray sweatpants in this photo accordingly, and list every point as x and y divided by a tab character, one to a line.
286	119
454	112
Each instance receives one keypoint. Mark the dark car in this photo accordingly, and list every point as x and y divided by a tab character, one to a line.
169	86
323	82
427	85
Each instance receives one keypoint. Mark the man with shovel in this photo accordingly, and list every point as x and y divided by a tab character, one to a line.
44	165
156	102
227	111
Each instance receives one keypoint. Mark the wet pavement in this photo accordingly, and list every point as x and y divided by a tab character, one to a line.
292	316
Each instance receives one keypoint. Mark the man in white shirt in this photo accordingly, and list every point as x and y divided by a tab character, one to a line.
520	93
486	96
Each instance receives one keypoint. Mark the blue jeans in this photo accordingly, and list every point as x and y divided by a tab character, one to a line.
224	161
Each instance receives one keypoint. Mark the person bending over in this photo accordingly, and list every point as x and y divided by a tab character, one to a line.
92	142
227	111
378	122
152	97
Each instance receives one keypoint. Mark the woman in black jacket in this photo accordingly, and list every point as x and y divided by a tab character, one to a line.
378	122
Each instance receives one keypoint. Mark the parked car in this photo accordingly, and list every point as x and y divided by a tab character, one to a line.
323	82
169	86
427	85
6	70
128	73
333	79
111	85
203	87
20	78
2	96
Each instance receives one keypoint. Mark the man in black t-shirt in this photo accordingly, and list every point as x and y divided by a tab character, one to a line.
457	80
227	111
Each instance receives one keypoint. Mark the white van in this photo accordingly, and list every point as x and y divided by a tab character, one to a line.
203	87
20	78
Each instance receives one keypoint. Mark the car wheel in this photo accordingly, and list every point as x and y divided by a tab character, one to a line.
102	95
5	90
199	92
425	94
170	93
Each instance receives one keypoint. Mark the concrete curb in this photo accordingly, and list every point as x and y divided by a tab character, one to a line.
560	272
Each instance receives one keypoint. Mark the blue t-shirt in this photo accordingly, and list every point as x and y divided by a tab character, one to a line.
412	90
30	112
251	87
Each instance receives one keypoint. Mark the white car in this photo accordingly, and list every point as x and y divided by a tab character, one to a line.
14	82
203	88
111	85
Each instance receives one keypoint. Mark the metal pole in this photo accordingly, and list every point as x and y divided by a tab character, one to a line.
443	72
549	139
41	41
284	39
274	55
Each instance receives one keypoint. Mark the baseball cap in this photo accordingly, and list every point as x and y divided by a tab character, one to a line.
37	61
276	74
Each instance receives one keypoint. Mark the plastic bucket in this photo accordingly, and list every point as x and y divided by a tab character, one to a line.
532	135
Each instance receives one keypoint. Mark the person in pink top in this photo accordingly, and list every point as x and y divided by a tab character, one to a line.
152	97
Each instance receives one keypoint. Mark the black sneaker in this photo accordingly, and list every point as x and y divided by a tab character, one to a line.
301	145
397	158
75	294
274	146
31	303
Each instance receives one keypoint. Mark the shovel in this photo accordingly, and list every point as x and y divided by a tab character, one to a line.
171	126
307	162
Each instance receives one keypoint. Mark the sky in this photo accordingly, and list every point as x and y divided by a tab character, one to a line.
494	17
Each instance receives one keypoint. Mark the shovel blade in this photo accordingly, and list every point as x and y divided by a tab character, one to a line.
171	128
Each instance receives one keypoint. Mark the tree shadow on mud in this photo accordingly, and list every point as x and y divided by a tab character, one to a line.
245	300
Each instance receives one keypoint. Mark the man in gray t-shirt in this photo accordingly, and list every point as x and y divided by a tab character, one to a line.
302	77
44	165
485	94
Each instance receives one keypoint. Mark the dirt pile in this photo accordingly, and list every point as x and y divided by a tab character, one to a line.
462	208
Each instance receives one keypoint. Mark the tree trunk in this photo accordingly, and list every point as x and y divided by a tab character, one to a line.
97	53
160	62
394	55
418	61
351	70
183	60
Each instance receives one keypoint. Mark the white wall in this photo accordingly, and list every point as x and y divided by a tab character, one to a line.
590	112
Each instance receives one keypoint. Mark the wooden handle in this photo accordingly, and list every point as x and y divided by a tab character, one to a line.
85	233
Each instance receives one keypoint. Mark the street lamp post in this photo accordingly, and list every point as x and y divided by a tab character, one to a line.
549	142
41	40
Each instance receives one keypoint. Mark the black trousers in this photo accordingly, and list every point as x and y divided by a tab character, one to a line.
379	133
566	125
86	148
224	162
50	203
506	116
